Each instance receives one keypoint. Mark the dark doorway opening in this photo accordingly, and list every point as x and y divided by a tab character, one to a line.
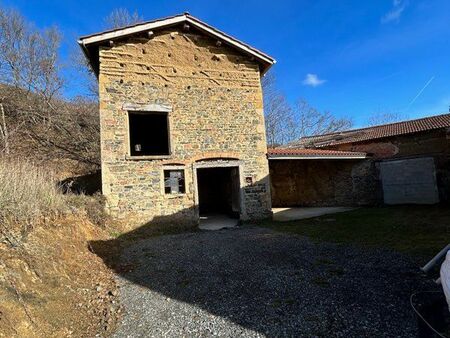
218	191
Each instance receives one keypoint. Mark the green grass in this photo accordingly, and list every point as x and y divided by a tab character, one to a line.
416	230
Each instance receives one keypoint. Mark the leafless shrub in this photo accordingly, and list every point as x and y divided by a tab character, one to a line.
74	134
28	65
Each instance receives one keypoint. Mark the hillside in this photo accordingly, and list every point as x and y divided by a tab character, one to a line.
51	285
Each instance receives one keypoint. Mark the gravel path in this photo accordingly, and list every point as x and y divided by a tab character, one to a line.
254	282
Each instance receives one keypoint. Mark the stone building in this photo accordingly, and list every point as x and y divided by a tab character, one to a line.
182	125
397	163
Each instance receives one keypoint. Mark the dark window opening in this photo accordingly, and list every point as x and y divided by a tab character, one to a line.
174	182
149	134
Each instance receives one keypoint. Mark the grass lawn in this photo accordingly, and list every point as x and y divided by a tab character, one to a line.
420	231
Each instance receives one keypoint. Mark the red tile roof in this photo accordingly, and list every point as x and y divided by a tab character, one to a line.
376	132
312	153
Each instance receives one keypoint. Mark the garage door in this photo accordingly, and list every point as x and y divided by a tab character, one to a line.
411	181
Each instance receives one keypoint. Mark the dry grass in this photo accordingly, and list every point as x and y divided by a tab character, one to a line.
28	193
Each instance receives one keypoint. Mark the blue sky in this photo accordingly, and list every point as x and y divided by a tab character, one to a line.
353	58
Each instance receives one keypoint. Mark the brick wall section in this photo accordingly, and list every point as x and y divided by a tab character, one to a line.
217	111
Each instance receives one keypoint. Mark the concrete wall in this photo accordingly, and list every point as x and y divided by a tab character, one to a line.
409	181
216	113
324	183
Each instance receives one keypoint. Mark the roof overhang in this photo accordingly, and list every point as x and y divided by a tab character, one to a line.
90	43
317	157
313	154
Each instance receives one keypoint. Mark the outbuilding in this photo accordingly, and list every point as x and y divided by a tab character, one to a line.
398	163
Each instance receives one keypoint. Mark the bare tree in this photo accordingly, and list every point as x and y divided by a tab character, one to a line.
285	123
384	118
29	69
121	17
278	113
87	78
29	57
311	121
32	108
76	133
4	132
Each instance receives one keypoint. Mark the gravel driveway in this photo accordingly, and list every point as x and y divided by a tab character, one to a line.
254	282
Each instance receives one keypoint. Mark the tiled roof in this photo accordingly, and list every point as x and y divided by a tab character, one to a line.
376	132
274	153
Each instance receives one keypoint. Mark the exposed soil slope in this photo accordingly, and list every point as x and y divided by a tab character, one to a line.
52	285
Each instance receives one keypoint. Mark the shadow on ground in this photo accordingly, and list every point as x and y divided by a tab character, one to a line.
250	281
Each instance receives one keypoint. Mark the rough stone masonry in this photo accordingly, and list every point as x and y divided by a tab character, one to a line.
215	113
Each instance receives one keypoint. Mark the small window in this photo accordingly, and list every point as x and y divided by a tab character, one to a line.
149	134
174	182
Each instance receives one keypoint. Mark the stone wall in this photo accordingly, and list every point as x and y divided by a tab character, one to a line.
358	182
435	144
324	183
216	112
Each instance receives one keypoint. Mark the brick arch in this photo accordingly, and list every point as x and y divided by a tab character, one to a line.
215	156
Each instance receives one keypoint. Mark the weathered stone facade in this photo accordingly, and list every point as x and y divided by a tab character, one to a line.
214	96
315	183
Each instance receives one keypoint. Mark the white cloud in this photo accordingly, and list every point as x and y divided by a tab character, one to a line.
398	7
313	80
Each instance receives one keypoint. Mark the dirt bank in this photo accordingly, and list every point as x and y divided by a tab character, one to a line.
52	285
